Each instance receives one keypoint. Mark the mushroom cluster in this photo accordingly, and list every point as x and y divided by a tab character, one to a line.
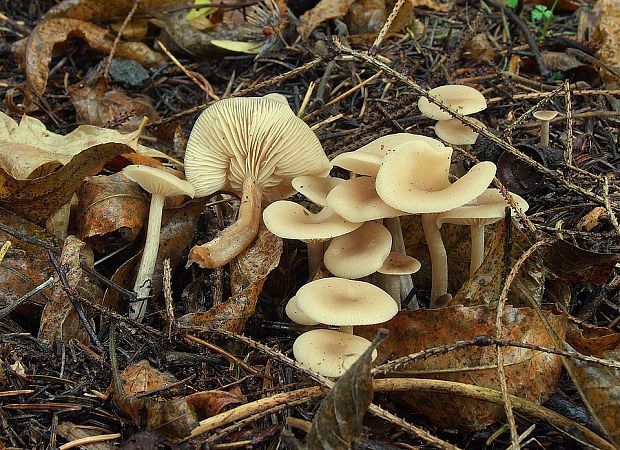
252	147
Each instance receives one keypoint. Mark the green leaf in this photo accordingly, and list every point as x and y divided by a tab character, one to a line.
199	12
337	424
539	12
512	3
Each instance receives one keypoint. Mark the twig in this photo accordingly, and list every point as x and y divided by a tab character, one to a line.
231	358
568	152
89	440
535	95
612	216
73	298
118	38
306	99
386	26
168	297
116	377
5	248
11	307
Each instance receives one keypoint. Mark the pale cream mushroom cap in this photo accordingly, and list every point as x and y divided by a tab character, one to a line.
415	179
158	181
487	208
278	98
463	99
342	302
329	353
254	137
357	201
315	188
453	131
358	253
290	220
399	264
367	159
297	315
545	115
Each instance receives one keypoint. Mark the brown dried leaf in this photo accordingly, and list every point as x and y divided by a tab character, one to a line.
606	16
59	320
366	16
479	48
71	431
111	211
322	12
25	266
210	403
560	61
36	199
529	374
97	10
592	341
49	32
433	5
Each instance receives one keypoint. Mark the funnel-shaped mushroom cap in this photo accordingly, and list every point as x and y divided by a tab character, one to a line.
342	302
290	220
329	353
357	201
545	115
297	315
360	252
158	181
453	131
463	99
256	137
485	209
399	264
367	159
315	188
415	179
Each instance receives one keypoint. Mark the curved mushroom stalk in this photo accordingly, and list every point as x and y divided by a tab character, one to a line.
234	239
477	248
439	259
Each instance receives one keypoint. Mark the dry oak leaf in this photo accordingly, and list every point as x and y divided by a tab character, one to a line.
97	10
322	12
49	32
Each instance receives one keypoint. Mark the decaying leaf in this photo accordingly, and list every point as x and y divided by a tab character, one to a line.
530	374
591	341
59	320
25	266
96	10
174	417
322	12
49	32
606	16
560	61
71	431
248	274
338	422
111	211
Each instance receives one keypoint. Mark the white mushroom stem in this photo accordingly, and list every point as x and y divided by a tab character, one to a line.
234	239
544	132
347	329
315	255
439	259
142	286
405	283
477	248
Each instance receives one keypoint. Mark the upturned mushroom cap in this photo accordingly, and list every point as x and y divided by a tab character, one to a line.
342	302
399	264
297	315
415	179
290	220
357	200
485	209
545	115
463	99
453	131
329	353
254	137
315	188
367	159
360	252
158	181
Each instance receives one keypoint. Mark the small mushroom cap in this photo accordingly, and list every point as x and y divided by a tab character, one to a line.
357	201
290	220
342	302
257	137
315	188
453	131
487	208
367	159
415	179
297	315
360	252
545	115
158	181
399	264
329	353
464	99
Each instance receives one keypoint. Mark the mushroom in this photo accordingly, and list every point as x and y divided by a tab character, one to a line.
253	146
297	315
454	132
329	353
463	99
545	117
290	220
159	184
399	264
487	208
414	178
315	188
359	253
